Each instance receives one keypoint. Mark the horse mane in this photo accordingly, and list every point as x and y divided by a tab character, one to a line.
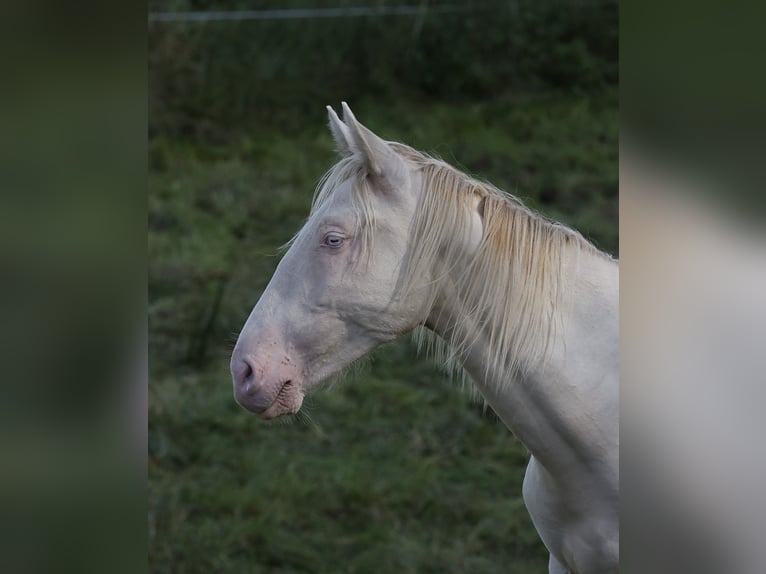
512	288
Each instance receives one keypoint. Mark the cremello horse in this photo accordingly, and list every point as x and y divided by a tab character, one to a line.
528	308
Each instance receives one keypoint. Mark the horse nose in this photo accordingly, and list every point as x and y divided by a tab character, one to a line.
246	388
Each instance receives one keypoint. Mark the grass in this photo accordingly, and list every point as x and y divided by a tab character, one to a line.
396	470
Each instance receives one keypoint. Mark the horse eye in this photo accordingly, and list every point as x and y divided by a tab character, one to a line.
333	240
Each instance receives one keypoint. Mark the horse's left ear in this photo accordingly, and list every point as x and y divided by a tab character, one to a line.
380	160
340	133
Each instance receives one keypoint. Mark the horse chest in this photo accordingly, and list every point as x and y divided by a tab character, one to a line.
578	528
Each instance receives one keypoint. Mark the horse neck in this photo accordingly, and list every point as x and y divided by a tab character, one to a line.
566	407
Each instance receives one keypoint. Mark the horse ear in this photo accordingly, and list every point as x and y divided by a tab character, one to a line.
379	159
340	133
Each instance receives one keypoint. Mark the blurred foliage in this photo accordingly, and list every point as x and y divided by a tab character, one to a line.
396	470
208	81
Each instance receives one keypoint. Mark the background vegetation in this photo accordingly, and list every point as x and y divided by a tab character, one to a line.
395	470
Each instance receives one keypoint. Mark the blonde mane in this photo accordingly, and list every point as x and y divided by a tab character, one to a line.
511	290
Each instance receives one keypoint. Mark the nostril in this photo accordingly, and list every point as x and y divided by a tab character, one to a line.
247	374
244	377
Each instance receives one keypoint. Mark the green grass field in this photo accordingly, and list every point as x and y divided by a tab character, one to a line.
396	469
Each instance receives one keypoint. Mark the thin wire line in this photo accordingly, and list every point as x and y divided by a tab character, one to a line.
307	13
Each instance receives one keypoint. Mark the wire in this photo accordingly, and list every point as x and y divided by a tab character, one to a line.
305	13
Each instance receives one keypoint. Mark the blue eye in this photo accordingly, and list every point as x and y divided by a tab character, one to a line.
333	240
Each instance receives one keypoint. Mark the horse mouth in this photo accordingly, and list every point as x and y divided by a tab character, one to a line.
288	401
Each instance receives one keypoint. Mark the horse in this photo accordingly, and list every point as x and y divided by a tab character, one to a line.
398	241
